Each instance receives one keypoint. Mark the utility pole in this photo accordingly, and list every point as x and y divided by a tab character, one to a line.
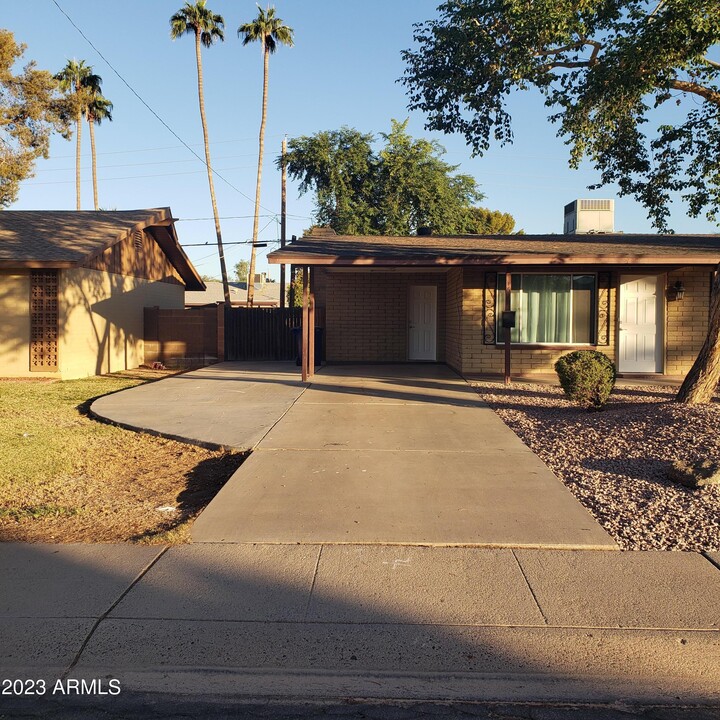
283	219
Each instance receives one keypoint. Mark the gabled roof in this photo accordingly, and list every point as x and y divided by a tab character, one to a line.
428	250
69	238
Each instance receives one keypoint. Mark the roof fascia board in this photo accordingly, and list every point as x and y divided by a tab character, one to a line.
299	259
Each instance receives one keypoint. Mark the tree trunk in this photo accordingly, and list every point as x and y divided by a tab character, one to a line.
91	125
701	382
218	233
78	122
261	150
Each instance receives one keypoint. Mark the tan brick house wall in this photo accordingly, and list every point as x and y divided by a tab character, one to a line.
454	318
366	320
478	357
366	313
686	319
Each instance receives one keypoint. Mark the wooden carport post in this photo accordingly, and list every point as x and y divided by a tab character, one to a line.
311	327
308	318
507	330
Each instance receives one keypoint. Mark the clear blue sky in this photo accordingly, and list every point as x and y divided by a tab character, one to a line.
342	71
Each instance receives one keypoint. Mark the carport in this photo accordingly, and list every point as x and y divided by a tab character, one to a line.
496	304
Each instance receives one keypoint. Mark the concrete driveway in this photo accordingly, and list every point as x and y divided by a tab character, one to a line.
230	404
395	454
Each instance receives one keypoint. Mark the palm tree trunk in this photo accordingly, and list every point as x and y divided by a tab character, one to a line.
261	150
201	99
701	382
91	124
78	122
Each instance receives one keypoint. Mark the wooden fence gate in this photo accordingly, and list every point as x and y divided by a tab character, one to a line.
261	333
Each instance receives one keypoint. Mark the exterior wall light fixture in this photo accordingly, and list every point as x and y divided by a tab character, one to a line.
677	292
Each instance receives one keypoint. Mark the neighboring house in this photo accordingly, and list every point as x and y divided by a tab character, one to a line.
643	300
266	295
73	286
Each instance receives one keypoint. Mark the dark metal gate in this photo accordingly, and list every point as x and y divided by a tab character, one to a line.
261	333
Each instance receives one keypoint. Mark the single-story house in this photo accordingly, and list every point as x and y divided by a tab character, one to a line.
643	300
267	294
74	285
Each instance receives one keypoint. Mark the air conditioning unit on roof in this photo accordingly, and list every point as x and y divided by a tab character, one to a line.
589	216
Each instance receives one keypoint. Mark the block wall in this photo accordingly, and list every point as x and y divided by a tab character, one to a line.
193	336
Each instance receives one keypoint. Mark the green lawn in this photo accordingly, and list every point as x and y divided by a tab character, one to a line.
43	435
67	477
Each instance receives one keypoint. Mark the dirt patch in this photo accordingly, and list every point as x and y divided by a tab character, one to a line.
65	477
616	461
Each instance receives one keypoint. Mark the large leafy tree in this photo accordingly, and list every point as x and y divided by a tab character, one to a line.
79	83
270	32
395	191
31	109
603	67
98	108
606	69
206	27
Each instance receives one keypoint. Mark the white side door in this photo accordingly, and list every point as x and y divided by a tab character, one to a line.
640	341
422	314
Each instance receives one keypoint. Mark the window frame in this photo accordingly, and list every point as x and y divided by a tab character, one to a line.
499	298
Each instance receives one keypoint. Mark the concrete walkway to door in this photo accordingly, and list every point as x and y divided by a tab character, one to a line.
395	454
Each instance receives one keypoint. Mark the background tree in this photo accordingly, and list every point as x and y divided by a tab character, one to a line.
31	109
295	290
242	268
403	186
79	84
482	221
270	32
604	67
417	188
341	168
98	108
206	27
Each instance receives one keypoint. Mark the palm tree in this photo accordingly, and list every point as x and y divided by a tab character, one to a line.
207	27
78	82
99	108
270	31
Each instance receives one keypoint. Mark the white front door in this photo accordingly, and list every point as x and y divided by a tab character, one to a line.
640	342
422	314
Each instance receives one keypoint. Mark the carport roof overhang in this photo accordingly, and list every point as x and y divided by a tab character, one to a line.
494	250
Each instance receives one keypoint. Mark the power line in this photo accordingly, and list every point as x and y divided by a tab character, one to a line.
237	242
132	90
222	217
164	147
156	162
135	177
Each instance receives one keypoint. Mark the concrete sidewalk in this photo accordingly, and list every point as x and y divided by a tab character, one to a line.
396	454
330	622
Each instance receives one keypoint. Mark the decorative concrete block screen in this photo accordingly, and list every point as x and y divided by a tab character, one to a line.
44	329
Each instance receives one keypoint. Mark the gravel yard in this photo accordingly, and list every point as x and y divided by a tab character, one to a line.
615	460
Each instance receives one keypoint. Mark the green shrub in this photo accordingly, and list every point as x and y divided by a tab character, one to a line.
587	377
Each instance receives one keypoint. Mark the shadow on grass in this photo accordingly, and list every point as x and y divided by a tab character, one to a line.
202	484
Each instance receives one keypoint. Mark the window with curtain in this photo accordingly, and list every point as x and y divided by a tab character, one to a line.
549	308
